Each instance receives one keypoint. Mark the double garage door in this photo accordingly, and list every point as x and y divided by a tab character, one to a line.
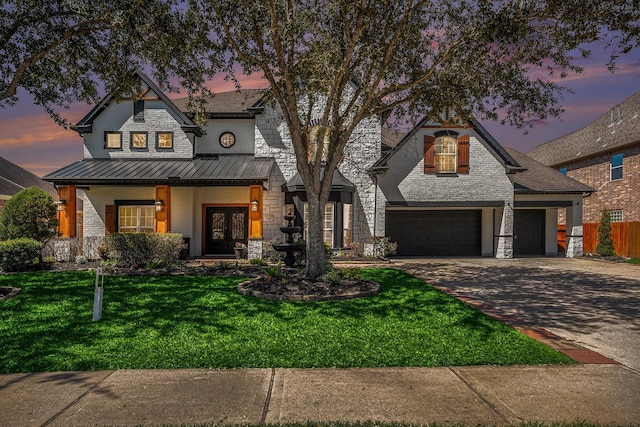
435	233
459	232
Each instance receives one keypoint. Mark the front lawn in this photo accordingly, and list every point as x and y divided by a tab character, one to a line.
202	322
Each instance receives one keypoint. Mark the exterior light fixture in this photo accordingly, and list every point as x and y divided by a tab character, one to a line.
158	204
61	205
254	206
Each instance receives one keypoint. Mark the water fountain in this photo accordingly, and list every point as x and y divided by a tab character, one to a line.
289	246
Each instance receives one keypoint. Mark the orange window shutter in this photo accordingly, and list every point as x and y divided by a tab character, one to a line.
163	216
110	219
463	154
429	154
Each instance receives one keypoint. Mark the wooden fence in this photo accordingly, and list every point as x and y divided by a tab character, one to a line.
625	236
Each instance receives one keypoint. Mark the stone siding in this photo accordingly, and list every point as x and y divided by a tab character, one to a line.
117	118
272	139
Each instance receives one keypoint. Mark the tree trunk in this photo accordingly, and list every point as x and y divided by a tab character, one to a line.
315	241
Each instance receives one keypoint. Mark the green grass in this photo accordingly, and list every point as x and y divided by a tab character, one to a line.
202	322
634	261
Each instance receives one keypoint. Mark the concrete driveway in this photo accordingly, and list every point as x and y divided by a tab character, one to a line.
593	303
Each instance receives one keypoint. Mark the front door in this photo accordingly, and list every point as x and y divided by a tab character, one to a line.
224	227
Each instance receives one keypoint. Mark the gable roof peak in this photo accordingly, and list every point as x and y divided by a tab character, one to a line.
85	124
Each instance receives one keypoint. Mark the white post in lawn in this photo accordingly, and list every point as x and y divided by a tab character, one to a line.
97	297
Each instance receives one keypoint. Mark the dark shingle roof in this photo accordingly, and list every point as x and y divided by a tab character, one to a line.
203	171
619	127
13	179
538	178
239	101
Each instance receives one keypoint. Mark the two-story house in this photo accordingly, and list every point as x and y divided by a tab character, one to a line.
148	167
443	189
605	155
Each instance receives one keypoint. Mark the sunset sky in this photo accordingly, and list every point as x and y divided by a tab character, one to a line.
31	139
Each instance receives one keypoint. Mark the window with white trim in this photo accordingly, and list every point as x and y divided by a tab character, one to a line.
136	219
327	223
616	166
616	216
446	154
347	224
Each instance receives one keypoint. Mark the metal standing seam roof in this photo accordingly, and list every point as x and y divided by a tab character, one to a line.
222	169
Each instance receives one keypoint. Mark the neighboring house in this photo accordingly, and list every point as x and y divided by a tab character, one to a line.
13	179
148	166
451	189
605	155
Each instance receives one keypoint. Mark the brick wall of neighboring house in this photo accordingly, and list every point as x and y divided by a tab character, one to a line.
610	195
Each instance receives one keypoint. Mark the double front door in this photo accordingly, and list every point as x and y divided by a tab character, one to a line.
224	226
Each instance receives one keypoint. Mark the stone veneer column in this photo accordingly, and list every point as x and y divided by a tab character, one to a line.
574	230
505	237
254	248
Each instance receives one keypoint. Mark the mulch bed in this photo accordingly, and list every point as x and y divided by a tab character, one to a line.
299	288
290	286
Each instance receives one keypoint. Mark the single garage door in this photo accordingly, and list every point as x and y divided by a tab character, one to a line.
528	231
435	233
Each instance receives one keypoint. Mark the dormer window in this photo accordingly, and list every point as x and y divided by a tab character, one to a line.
446	153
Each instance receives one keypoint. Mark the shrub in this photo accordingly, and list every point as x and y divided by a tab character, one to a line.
19	254
269	254
30	213
605	243
383	247
141	249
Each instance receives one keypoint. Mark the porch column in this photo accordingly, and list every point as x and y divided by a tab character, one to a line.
574	229
254	245
163	209
67	211
551	232
505	235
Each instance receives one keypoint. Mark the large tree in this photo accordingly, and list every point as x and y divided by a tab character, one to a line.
490	59
63	51
497	59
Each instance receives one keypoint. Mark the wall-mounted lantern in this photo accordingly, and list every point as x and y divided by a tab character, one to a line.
254	206
159	204
61	205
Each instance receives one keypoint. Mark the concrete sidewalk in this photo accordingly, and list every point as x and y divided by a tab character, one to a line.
465	395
